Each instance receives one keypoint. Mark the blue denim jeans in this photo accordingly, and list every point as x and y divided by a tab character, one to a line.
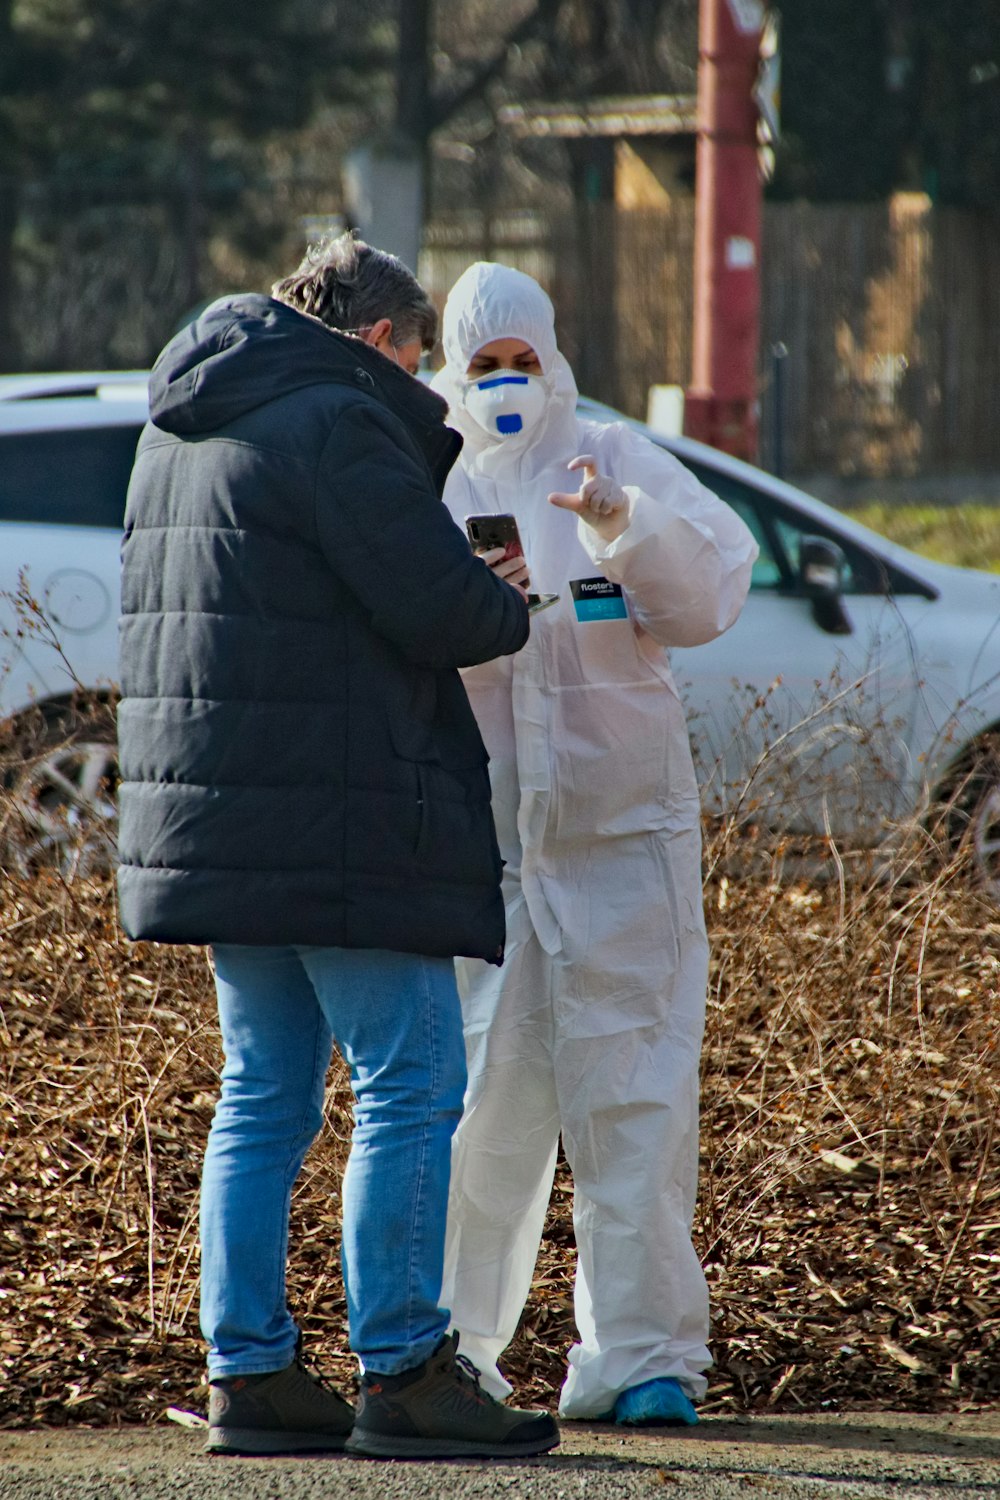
397	1020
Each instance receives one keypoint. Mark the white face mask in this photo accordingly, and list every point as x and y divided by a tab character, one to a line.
506	403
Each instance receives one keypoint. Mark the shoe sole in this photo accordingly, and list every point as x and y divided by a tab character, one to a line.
249	1442
382	1445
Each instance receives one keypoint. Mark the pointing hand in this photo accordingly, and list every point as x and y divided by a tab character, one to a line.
599	501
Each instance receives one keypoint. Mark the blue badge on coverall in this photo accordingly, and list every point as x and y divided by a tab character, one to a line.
598	599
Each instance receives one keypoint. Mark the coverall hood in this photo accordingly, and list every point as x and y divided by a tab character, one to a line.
490	301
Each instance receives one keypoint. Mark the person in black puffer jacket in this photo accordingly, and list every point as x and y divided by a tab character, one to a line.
304	788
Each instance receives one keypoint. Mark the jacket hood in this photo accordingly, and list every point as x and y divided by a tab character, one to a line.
491	301
246	350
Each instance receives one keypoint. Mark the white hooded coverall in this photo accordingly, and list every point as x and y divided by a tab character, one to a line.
593	1025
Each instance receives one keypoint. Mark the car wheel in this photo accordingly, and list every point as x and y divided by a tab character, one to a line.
60	802
972	811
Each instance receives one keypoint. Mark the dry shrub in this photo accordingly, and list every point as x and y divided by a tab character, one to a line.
850	1207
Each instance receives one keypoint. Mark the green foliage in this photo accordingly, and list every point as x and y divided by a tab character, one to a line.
92	78
954	100
839	141
146	146
966	535
886	94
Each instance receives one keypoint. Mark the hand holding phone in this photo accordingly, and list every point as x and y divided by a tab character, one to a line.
490	533
511	569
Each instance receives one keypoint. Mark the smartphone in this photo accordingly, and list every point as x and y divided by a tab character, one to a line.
487	532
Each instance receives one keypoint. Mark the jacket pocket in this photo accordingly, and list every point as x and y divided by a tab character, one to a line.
423	839
436	744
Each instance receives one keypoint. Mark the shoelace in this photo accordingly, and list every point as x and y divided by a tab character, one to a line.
316	1376
469	1370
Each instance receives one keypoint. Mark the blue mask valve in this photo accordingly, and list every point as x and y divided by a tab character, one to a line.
509	423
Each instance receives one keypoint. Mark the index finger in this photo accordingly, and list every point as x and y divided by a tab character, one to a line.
585	461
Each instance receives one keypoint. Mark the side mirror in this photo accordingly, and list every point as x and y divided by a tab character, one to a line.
822	566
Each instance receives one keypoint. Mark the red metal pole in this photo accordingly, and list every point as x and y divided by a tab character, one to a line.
721	405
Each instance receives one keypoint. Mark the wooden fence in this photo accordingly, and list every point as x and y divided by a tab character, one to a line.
889	315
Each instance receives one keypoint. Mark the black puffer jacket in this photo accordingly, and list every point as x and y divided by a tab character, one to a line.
299	760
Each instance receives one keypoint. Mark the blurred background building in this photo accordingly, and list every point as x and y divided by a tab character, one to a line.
156	155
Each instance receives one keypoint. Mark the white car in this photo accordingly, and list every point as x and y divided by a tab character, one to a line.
861	682
67	443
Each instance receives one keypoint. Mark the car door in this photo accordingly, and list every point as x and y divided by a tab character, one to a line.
797	718
62	499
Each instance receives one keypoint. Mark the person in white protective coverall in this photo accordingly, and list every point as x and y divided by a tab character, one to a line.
593	1025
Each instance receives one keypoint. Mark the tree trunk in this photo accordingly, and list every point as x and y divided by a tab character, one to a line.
10	344
10	348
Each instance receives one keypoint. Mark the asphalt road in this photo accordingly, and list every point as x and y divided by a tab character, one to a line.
858	1456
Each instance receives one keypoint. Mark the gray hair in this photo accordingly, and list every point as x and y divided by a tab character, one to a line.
349	285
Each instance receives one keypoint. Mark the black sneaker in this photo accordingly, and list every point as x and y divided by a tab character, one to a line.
439	1410
289	1411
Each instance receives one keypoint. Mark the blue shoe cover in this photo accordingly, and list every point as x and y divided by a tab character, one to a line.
654	1402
